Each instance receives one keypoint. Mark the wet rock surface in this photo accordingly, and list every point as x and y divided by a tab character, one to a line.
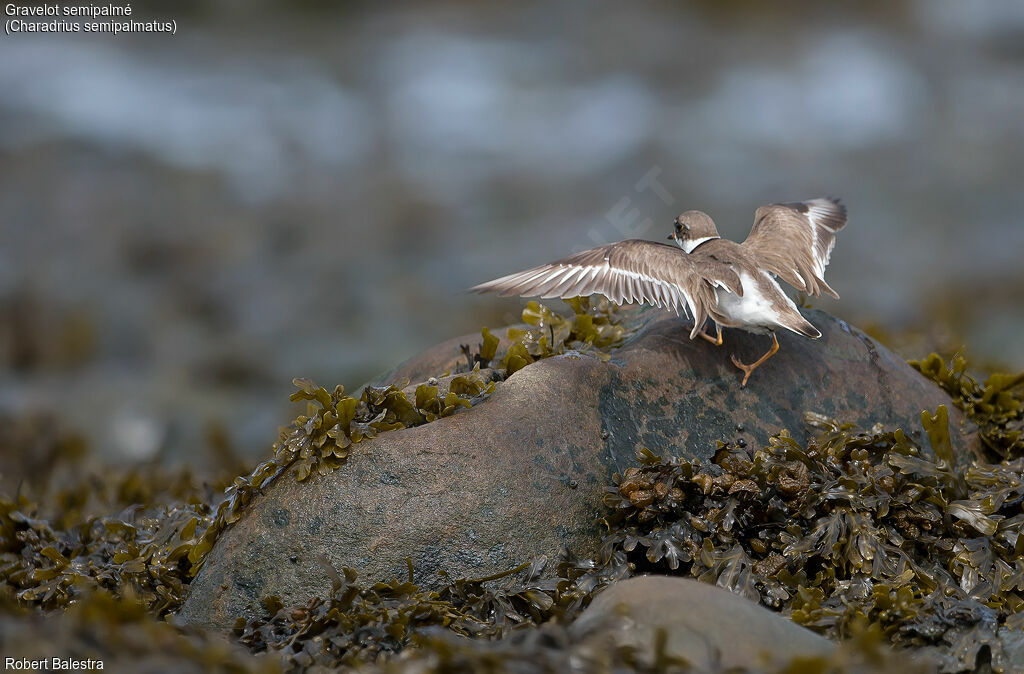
523	472
704	625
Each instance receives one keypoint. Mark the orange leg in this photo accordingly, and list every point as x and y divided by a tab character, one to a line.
747	369
716	342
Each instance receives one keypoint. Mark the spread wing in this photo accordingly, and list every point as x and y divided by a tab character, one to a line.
628	271
794	241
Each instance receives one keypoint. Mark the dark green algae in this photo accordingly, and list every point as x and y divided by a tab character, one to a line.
860	535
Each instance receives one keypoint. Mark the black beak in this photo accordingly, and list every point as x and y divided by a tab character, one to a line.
671	236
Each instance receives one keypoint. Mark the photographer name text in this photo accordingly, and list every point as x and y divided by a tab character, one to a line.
53	664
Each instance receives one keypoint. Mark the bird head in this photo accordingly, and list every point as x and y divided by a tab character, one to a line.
692	228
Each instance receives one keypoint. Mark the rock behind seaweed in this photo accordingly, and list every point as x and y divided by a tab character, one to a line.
704	625
523	472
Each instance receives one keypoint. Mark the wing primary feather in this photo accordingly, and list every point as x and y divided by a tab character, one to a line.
677	301
617	290
666	302
590	284
574	285
524	282
550	282
646	291
650	292
567	281
633	290
663	292
564	284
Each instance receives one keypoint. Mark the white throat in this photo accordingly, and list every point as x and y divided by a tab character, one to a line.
690	244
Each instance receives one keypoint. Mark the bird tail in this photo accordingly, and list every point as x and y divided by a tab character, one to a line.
801	326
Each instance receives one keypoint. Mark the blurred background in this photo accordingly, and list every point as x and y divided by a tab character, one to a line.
297	189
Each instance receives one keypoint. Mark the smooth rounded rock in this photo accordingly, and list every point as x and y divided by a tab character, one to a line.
708	626
522	473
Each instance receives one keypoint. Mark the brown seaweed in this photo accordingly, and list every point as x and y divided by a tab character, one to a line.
861	534
996	404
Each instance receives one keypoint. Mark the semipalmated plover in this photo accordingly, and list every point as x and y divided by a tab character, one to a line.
706	276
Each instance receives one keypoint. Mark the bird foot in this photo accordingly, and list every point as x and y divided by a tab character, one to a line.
717	341
747	369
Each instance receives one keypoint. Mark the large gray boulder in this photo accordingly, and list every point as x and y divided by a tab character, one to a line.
523	472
